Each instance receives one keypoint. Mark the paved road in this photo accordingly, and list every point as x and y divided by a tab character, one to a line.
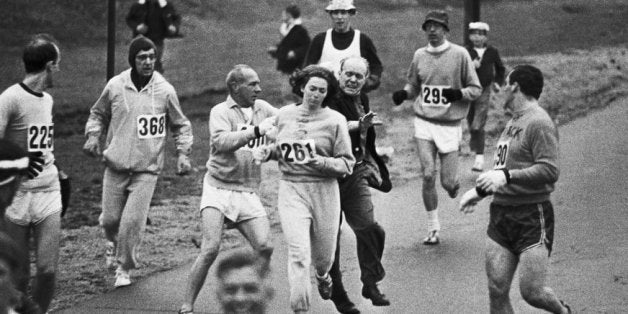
589	263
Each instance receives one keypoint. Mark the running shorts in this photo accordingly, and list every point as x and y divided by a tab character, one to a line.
32	207
446	137
519	228
236	206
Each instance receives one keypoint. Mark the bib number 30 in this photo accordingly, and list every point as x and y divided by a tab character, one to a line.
501	155
40	137
151	126
298	152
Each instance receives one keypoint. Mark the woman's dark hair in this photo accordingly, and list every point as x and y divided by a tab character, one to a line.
299	78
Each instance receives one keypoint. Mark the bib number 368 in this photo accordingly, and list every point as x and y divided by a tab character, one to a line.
40	137
298	152
151	126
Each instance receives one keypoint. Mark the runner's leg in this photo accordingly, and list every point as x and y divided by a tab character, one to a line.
533	268
212	225
500	269
47	238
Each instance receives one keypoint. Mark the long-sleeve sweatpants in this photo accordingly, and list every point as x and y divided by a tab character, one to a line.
309	214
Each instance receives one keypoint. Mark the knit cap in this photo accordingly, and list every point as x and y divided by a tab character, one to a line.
138	44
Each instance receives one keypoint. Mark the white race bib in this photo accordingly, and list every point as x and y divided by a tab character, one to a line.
501	155
254	143
432	96
40	137
298	151
151	126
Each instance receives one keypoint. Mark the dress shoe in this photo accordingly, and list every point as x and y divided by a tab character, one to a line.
344	305
373	293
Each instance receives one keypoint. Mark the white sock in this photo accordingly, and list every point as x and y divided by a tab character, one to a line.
432	220
479	159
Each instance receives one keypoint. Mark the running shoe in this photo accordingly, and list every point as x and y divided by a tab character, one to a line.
432	238
324	286
110	255
123	278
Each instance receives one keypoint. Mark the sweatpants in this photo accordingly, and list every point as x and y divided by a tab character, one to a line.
126	200
310	217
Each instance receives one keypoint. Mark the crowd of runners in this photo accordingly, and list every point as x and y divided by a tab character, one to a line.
324	145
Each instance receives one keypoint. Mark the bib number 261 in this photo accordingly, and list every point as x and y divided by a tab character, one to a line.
298	152
151	126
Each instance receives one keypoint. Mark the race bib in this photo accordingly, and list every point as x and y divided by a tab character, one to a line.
254	143
298	151
501	155
151	126
432	96
40	137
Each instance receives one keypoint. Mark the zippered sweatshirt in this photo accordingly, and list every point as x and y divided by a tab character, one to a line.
328	130
126	113
232	137
448	65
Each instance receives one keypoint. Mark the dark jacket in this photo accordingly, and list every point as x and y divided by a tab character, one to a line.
346	106
155	17
297	40
491	67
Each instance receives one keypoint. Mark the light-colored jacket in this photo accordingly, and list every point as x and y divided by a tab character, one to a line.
232	136
118	111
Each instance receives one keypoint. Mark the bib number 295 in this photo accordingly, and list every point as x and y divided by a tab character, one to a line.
298	152
433	95
151	126
40	137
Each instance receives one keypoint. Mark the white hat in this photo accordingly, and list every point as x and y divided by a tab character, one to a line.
340	5
479	26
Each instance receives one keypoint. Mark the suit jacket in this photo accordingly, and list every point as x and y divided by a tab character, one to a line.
156	18
346	106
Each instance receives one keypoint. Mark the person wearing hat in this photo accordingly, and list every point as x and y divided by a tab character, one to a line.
26	120
442	81
490	70
136	109
157	20
342	41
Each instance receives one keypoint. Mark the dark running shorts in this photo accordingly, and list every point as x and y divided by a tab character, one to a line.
521	227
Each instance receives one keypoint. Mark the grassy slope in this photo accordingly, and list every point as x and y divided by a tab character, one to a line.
217	37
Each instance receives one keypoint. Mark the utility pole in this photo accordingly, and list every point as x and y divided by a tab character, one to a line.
111	39
471	14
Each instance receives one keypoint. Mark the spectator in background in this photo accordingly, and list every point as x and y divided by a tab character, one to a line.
490	70
291	50
243	283
342	41
157	20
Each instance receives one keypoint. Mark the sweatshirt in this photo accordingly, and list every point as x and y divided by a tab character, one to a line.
232	138
136	123
302	132
434	69
528	148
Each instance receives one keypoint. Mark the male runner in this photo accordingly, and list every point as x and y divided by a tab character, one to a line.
236	127
136	109
521	224
26	119
443	80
